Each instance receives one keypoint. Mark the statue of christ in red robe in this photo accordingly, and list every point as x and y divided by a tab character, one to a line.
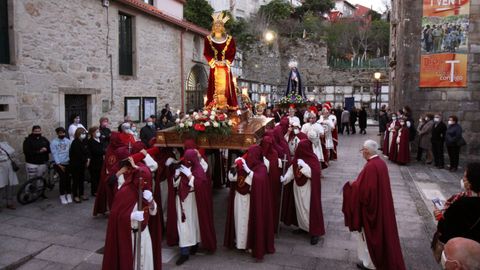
219	51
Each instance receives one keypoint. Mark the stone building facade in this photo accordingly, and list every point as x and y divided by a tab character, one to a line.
266	68
68	52
405	72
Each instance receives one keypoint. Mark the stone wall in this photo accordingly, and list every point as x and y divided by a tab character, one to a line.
61	48
268	64
405	57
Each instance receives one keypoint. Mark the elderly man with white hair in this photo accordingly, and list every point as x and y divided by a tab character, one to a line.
369	211
461	254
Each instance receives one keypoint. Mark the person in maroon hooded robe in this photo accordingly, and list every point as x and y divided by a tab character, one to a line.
105	194
392	149
124	219
249	215
306	171
281	144
274	167
194	207
403	144
368	210
387	140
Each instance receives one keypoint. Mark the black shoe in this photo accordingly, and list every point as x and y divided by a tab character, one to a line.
298	231
194	249
182	259
360	266
314	240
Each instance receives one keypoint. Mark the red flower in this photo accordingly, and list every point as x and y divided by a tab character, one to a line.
221	117
199	127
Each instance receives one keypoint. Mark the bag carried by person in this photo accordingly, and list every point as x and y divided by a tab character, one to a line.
15	167
437	246
461	142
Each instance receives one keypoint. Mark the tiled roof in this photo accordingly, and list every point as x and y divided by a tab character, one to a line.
149	9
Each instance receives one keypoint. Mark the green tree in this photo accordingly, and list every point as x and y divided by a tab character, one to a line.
317	7
380	37
198	12
375	15
276	11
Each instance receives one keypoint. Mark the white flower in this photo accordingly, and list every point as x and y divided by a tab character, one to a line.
230	122
207	124
215	124
213	113
187	116
212	117
177	121
189	123
197	117
239	112
182	125
205	112
195	113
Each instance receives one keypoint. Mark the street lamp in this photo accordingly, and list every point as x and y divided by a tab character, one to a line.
269	36
376	90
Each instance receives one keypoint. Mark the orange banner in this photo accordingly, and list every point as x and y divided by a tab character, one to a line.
444	43
444	70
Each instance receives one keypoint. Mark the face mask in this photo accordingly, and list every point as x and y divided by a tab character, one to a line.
462	184
450	122
134	129
436	119
83	136
149	124
97	135
296	131
126	128
394	118
61	137
426	118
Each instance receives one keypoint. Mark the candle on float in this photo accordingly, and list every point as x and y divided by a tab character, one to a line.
245	91
263	100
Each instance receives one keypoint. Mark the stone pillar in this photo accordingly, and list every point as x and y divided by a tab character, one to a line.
405	71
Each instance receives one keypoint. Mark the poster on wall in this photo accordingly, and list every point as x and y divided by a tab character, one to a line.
132	108
149	107
444	51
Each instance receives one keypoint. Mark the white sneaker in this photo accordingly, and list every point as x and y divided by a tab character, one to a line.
63	200
69	198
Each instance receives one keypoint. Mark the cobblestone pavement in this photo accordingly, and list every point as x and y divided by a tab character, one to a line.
47	235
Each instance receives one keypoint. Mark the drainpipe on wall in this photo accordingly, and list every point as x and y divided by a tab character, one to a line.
182	75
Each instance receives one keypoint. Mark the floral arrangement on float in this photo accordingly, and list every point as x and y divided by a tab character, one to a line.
208	122
293	99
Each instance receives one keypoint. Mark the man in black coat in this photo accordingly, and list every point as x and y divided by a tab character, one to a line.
148	132
353	119
338	114
382	125
362	121
36	149
438	139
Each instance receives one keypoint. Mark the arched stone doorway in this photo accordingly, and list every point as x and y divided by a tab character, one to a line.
196	85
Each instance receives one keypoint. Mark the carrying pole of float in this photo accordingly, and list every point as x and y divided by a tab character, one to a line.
138	240
284	164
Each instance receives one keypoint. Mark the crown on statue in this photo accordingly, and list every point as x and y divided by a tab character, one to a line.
220	17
